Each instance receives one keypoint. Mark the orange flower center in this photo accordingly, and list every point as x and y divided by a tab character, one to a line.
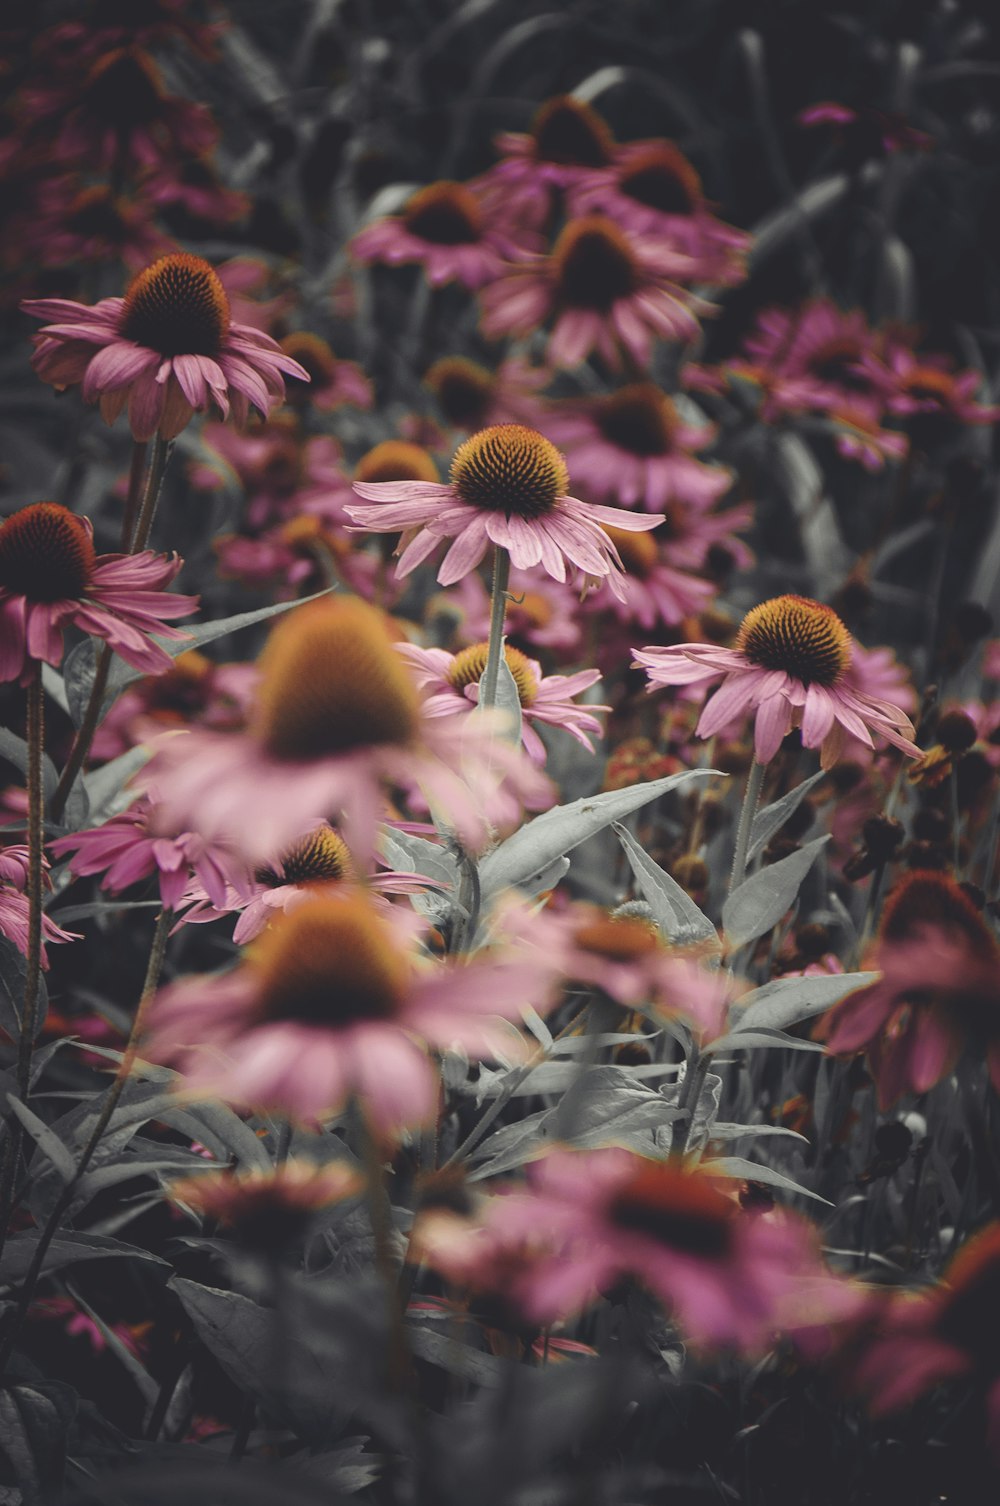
314	354
444	213
462	388
622	939
677	1209
569	132
662	178
470	664
177	307
332	683
396	460
639	551
46	553
330	962
321	857
594	264
510	469
804	638
638	418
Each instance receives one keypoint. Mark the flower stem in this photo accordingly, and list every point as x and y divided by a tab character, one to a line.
751	797
153	970
498	609
694	1078
160	454
137	470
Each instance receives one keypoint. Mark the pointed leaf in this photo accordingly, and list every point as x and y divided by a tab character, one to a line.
507	700
68	1249
752	1171
761	900
673	909
744	1040
47	1141
558	831
773	817
788	1000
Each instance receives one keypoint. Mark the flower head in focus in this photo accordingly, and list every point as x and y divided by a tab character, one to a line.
167	350
51	578
791	666
508	487
331	1002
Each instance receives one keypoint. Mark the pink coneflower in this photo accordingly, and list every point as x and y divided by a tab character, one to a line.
332	382
939	991
657	592
267	1208
589	1219
193	691
138	842
14	863
508	487
541	612
634	447
449	230
568	140
193	186
605	292
51	579
168	349
651	189
69	223
791	665
472	397
329	1003
336	721
451	684
910	384
320	858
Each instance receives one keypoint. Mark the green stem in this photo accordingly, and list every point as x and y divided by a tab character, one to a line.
498	609
697	1068
153	970
137	469
158	458
84	735
751	797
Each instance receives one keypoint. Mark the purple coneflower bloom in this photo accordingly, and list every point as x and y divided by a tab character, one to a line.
508	487
791	665
448	229
605	291
451	684
328	1003
167	349
568	140
14	863
51	579
657	592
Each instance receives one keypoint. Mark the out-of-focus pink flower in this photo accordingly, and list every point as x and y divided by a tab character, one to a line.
508	487
80	1325
138	842
814	357
568	140
657	592
588	1219
336	720
51	579
926	1340
858	436
541	612
633	447
910	383
332	382
450	230
451	684
939	991
472	397
651	189
193	691
604	291
791	666
194	186
14	903
168	349
328	1004
69	223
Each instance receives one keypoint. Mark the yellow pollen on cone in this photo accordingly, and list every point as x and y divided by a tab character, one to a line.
509	468
802	637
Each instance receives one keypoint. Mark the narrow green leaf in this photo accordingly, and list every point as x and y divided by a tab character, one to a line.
761	900
773	817
674	911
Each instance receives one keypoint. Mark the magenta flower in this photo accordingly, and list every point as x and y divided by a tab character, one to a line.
939	991
651	189
167	349
791	666
633	447
450	683
329	1004
14	903
568	140
473	397
589	1219
604	291
138	842
508	487
51	579
332	382
449	229
540	611
657	592
337	721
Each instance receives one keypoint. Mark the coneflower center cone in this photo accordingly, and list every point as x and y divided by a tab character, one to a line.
594	265
331	683
463	388
46	553
510	469
320	857
676	1210
802	637
568	132
638	418
396	460
662	178
178	307
445	213
622	940
471	662
330	962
